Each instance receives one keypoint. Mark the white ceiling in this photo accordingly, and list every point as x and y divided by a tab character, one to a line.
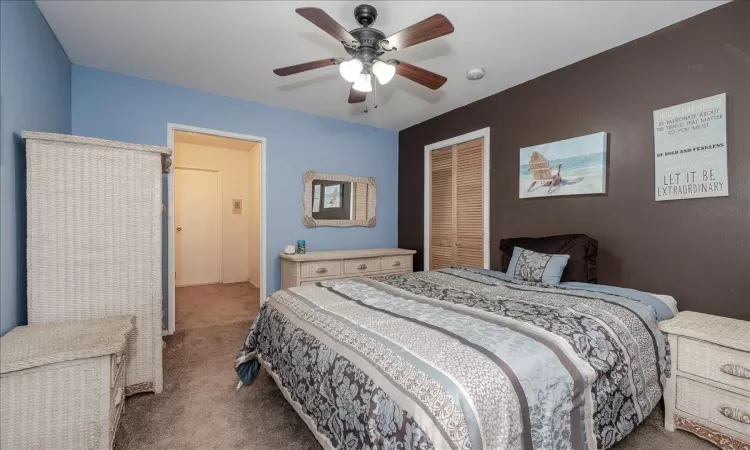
231	47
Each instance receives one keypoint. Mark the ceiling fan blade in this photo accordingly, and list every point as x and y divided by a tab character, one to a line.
326	23
420	75
430	28
356	96
291	70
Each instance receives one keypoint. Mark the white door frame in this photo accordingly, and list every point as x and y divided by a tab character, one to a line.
218	219
171	128
484	133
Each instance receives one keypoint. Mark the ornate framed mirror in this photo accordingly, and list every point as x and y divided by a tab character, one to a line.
333	200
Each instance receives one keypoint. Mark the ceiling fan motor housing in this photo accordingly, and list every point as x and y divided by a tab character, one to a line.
369	48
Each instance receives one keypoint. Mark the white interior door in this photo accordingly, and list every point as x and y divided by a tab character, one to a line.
197	227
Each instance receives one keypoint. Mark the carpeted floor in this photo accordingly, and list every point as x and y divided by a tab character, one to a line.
200	408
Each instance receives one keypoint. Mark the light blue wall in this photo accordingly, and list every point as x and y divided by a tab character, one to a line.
35	90
130	109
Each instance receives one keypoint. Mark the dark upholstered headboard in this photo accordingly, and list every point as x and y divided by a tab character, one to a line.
581	248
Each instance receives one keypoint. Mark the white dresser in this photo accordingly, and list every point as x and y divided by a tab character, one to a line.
309	268
708	393
62	385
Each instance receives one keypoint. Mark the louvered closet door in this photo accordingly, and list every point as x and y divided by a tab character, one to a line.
470	217
442	214
456	206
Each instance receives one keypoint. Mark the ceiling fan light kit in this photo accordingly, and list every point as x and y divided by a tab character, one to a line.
365	46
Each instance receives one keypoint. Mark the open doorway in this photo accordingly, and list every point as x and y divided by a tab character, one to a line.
216	232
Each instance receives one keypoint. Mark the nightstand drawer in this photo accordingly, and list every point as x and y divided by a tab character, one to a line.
315	269
724	408
714	362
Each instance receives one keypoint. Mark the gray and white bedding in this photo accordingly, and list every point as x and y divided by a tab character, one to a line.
461	359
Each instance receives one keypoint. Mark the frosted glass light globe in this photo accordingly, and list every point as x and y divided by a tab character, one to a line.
350	70
384	72
364	83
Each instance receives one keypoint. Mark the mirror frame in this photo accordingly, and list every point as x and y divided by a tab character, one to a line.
372	200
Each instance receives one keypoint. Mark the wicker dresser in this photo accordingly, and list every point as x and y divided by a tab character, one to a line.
708	393
94	211
309	268
62	384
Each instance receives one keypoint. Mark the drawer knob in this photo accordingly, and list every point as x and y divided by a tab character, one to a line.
362	266
322	270
735	414
396	263
736	370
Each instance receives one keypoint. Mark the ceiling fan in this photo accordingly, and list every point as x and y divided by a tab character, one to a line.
366	46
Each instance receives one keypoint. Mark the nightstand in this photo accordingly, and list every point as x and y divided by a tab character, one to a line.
62	384
708	392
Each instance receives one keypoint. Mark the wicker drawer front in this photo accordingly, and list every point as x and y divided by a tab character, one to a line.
725	408
714	362
357	266
395	262
317	269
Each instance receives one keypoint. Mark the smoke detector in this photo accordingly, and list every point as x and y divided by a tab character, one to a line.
475	74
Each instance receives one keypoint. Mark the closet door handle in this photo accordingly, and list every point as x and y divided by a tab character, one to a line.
179	228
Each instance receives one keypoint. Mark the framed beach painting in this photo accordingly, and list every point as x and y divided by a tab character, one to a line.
576	166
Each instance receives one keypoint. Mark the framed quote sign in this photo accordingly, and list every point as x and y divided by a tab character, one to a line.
690	150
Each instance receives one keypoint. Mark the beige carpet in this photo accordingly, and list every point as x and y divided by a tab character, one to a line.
200	408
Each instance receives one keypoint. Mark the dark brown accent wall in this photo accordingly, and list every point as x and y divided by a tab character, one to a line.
695	250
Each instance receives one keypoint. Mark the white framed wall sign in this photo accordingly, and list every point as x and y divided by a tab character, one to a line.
690	150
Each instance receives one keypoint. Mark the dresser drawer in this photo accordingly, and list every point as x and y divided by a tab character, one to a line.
714	362
724	408
316	269
363	266
395	262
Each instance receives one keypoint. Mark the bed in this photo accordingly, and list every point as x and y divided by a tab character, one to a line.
462	359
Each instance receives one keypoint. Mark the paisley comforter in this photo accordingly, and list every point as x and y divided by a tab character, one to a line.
460	359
